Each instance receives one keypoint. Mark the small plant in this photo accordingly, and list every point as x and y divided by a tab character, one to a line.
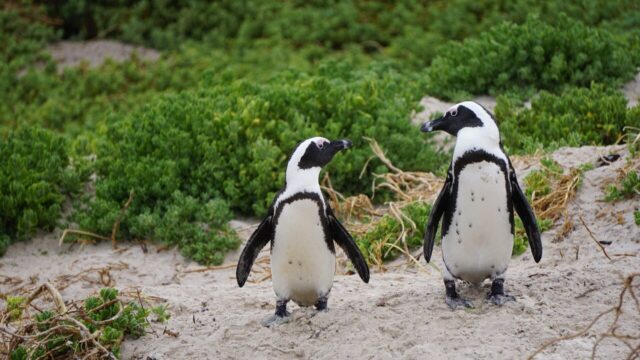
387	236
14	307
161	313
93	329
628	188
636	216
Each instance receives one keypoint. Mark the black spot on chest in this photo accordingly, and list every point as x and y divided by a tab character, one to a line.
319	201
468	158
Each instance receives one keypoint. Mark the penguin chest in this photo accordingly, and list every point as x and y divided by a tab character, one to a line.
479	241
302	265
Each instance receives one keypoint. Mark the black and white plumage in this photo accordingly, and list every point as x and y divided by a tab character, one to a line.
302	229
476	205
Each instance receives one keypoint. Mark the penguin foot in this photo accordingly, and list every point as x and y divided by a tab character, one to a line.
497	296
452	298
321	304
454	302
499	299
275	320
281	316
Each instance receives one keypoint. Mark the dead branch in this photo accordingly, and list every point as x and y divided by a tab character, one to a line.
604	251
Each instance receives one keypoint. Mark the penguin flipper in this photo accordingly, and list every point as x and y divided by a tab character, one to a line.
526	214
260	237
342	237
434	217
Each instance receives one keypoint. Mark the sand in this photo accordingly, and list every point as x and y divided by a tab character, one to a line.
95	52
400	314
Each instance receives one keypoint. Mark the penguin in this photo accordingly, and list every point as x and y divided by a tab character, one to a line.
476	205
302	229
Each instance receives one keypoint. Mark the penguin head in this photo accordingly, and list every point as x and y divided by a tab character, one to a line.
467	116
310	156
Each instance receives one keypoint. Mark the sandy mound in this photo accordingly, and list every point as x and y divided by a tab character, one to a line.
400	314
95	52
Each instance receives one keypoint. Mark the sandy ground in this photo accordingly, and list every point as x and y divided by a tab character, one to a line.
399	314
95	52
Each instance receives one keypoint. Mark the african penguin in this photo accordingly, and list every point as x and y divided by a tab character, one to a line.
302	229
476	203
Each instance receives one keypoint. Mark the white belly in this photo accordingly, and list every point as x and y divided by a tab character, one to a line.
302	266
479	242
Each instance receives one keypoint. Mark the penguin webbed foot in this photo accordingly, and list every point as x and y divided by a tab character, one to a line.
452	299
454	302
499	299
275	320
497	296
321	304
281	316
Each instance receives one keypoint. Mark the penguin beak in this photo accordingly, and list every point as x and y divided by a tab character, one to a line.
432	125
337	145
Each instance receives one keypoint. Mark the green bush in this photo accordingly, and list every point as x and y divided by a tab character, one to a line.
576	117
377	244
629	187
184	153
534	55
106	316
35	176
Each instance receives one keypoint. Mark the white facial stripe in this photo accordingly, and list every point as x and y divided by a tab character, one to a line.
486	137
301	180
321	142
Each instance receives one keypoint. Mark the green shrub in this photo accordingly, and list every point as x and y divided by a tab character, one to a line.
534	55
14	307
576	117
636	216
377	244
184	153
35	176
106	316
21	36
628	187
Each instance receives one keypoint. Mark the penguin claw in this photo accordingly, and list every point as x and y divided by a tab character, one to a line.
275	320
499	299
458	301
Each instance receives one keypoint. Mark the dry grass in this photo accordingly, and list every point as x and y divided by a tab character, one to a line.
407	186
31	335
554	204
361	216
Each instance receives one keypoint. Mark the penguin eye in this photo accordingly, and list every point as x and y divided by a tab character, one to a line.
454	112
320	145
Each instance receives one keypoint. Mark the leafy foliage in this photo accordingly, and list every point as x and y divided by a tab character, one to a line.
186	152
534	55
268	73
380	242
577	117
35	173
106	316
628	187
14	307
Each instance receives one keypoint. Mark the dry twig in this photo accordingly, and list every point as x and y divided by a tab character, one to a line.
612	328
